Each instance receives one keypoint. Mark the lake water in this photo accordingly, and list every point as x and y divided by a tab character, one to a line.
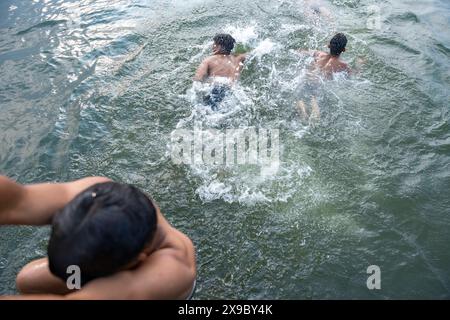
97	87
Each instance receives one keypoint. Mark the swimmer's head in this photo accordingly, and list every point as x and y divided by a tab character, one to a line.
105	229
337	44
223	43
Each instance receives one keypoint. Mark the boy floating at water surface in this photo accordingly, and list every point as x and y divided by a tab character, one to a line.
326	64
221	69
330	63
114	233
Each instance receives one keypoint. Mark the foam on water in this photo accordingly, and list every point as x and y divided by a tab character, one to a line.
248	184
244	35
264	47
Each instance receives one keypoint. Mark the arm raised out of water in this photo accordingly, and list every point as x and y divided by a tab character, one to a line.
36	204
313	53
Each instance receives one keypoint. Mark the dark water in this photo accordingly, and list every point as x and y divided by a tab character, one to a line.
97	87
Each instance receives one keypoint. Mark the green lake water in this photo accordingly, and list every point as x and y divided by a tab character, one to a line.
96	88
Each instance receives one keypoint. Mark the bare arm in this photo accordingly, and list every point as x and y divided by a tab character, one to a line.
166	278
313	53
36	204
202	71
35	297
168	273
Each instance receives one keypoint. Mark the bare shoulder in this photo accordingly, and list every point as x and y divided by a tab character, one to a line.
167	273
178	246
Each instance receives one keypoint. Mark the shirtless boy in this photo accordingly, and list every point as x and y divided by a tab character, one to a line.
326	64
114	233
221	69
331	63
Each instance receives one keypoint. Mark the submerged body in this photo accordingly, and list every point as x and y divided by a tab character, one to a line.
325	64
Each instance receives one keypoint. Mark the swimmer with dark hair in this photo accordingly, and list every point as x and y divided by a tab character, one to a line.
327	64
221	69
112	234
330	62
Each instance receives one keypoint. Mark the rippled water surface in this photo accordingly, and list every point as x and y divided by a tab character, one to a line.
96	88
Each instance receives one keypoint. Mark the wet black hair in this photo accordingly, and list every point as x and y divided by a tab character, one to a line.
226	41
101	231
337	44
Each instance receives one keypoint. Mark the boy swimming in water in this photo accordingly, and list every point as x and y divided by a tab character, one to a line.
330	63
326	64
221	69
114	233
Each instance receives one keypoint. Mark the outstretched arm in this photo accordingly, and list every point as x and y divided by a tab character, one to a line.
166	278
36	204
313	53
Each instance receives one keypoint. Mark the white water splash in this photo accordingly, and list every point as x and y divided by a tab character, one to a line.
244	184
243	35
264	47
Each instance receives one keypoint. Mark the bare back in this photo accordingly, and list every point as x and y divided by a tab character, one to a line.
329	64
220	65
